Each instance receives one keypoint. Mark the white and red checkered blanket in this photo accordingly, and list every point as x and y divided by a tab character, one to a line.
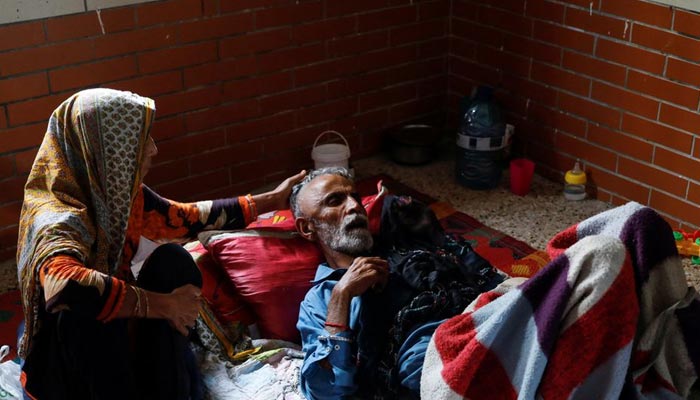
611	316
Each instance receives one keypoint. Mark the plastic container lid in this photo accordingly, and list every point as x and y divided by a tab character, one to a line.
575	176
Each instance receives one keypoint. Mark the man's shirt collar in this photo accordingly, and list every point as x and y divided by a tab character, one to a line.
324	272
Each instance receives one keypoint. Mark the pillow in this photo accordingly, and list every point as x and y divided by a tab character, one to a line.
271	266
271	270
218	291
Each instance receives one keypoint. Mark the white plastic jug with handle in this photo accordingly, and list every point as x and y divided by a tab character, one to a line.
330	154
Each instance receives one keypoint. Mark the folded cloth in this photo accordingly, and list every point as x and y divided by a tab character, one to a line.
611	316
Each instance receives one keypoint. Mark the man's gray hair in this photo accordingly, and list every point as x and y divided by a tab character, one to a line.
309	177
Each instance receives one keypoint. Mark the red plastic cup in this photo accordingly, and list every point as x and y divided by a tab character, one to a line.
521	171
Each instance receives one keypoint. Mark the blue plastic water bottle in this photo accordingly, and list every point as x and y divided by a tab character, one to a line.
481	141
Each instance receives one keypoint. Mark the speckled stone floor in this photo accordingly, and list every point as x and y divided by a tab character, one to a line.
533	218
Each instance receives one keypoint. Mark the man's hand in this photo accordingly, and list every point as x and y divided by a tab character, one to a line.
364	273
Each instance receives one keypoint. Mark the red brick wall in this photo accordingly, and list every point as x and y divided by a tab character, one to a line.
612	82
242	88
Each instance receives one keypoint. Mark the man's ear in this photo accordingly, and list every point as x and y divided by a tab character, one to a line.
305	228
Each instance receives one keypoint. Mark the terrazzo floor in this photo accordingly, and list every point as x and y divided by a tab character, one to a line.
533	218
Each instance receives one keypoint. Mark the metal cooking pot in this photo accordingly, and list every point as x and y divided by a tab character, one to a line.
413	144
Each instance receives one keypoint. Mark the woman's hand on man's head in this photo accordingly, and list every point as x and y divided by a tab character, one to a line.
284	189
278	198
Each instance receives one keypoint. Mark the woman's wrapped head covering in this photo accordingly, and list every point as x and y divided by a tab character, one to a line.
78	196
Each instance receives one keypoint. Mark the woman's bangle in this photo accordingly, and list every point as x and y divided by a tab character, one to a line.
137	305
253	206
339	326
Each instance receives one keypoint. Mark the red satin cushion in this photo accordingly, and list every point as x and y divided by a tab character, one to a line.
217	289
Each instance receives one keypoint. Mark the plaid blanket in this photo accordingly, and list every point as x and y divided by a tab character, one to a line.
609	317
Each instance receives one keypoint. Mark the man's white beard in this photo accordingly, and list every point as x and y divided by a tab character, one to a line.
355	241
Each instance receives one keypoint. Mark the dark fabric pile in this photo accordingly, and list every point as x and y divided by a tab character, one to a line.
433	276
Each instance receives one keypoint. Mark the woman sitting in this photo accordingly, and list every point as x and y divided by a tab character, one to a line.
97	326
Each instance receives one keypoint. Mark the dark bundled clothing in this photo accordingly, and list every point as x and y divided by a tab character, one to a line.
434	276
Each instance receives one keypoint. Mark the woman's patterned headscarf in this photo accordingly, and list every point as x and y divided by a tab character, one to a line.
79	192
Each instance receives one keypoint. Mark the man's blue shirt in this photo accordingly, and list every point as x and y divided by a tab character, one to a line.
336	379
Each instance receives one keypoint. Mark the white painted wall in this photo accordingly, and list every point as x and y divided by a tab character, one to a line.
99	4
24	10
692	5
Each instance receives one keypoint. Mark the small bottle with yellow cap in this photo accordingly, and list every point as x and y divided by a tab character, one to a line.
575	183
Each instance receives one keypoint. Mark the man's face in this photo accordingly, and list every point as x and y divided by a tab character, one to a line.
335	214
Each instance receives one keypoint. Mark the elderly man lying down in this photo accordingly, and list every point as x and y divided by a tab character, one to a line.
610	317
